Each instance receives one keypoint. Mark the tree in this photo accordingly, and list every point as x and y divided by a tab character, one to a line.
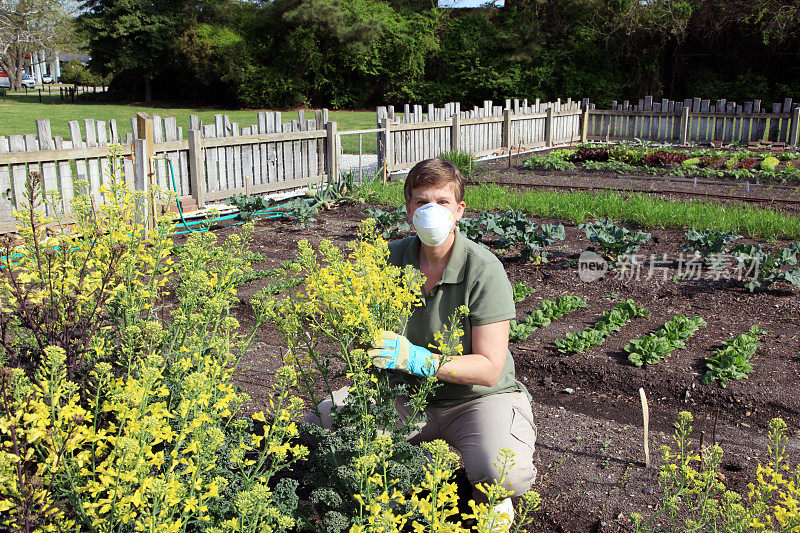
25	27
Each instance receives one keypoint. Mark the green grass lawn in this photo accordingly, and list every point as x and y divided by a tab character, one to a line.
18	114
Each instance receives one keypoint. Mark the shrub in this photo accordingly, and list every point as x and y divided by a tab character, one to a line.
464	161
130	419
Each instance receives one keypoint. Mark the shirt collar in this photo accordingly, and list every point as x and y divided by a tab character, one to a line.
456	265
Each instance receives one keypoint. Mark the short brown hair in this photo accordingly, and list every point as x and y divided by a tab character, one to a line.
437	172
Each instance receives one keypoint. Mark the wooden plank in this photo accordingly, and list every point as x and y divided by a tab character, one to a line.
786	123
19	173
212	162
272	155
159	166
170	133
102	141
113	132
81	174
249	157
45	142
261	168
7	189
92	164
221	157
774	132
238	175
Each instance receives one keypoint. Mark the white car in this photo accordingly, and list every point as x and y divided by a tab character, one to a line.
28	81
47	78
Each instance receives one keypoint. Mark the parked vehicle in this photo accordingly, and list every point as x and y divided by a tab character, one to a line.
5	83
47	78
28	81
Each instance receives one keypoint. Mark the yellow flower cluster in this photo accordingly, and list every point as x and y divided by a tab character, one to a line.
358	295
696	500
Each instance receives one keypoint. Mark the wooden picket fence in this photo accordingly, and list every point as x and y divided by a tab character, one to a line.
693	120
404	140
214	161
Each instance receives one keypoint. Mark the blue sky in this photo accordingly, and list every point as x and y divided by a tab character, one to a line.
468	3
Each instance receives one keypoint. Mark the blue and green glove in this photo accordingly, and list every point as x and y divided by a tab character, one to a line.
395	352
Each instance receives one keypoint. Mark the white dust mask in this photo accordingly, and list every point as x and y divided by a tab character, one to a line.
433	223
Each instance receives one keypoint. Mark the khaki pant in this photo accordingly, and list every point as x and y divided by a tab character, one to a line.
478	429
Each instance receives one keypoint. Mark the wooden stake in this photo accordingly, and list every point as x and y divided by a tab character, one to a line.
646	417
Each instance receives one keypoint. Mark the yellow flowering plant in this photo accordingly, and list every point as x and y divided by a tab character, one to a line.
131	422
695	499
66	282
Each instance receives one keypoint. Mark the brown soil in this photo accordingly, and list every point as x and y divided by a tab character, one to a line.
589	450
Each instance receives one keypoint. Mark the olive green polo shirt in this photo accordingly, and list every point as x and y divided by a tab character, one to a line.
473	277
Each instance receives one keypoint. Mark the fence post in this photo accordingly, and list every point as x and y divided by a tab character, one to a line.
549	131
507	127
333	153
140	181
684	126
388	155
794	129
455	131
144	129
197	175
585	125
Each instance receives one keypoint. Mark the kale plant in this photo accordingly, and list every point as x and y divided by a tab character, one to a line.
392	224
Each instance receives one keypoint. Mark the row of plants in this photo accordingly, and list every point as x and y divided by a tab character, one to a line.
760	269
732	361
609	322
643	210
642	158
544	315
672	335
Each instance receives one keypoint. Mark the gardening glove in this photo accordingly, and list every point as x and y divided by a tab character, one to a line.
395	352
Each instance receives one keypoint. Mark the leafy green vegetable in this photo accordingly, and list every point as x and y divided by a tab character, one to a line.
615	242
671	336
706	242
732	361
521	291
544	315
761	269
609	322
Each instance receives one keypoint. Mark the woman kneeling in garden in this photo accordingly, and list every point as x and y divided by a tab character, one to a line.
479	408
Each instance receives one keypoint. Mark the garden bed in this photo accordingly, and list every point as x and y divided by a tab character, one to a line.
589	449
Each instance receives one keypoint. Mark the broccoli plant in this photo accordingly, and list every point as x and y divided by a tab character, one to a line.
706	242
762	269
391	223
616	242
